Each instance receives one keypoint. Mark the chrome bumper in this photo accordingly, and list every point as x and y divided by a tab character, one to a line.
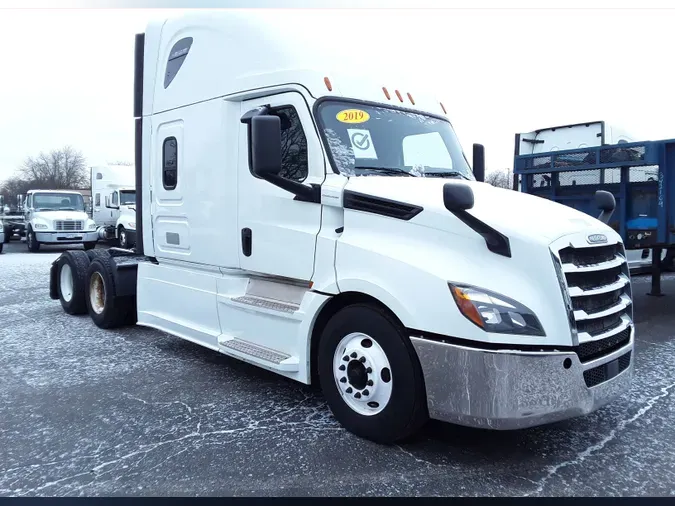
508	390
66	237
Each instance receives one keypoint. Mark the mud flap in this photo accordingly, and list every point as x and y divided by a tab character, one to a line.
53	289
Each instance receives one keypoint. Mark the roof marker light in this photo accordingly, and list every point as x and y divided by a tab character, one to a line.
386	93
328	84
398	94
411	99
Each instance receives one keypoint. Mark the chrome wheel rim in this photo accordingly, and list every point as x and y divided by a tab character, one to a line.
97	293
66	282
362	374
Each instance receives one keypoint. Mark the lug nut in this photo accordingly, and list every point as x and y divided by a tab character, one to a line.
345	358
343	380
362	359
342	367
369	370
366	392
357	395
370	383
349	390
353	355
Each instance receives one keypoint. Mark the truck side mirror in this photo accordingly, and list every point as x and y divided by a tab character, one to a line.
265	139
479	162
457	197
606	203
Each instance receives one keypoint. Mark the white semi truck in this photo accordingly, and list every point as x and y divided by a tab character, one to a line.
329	228
114	203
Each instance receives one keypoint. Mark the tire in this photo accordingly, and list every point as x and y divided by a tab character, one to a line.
123	240
405	410
8	235
71	271
95	253
31	241
89	246
2	244
105	308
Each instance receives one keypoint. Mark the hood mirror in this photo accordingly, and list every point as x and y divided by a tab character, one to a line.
457	197
606	203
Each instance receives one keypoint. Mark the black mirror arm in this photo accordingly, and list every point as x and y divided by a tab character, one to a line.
496	241
303	193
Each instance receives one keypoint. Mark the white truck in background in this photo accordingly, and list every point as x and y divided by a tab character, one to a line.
579	136
328	227
114	203
11	218
54	217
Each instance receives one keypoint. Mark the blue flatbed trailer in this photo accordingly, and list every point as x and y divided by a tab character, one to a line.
640	175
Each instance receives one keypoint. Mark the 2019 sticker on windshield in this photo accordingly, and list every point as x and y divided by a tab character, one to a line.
362	143
352	116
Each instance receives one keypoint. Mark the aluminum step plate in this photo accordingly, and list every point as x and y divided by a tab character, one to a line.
282	307
256	351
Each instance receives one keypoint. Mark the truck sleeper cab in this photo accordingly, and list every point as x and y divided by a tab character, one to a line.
331	230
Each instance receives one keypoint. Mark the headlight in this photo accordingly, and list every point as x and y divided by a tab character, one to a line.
132	224
40	226
92	226
493	312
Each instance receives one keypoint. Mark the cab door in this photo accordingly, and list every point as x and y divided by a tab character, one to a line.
278	233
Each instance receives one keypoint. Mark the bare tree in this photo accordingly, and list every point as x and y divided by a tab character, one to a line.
59	169
12	187
500	179
121	162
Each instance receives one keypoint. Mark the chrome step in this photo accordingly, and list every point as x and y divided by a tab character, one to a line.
274	305
275	359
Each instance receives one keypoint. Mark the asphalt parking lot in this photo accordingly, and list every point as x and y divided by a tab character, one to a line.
137	412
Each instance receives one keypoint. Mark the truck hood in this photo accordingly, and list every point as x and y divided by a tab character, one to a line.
510	212
60	215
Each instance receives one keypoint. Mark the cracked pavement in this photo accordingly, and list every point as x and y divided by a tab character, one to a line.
87	412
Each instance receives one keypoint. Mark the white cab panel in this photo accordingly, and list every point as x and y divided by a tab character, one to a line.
196	221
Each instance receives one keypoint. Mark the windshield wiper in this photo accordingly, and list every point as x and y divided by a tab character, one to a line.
66	208
446	173
387	170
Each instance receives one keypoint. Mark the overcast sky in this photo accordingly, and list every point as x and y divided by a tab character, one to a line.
67	75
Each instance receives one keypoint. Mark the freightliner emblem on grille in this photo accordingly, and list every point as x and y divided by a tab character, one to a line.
597	238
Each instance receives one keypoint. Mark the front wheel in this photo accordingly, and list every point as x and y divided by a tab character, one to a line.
31	242
123	238
371	376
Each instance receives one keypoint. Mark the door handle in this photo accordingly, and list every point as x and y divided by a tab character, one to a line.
246	241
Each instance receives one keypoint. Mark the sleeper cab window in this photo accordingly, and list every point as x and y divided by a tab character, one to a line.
294	165
97	200
170	163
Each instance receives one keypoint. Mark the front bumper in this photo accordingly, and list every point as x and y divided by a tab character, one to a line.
508	390
66	237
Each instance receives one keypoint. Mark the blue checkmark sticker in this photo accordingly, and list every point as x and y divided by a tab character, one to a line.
362	143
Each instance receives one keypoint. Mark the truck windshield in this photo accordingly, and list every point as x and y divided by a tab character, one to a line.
378	140
58	202
127	198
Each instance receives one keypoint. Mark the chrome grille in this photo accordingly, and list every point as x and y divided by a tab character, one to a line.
597	282
68	226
